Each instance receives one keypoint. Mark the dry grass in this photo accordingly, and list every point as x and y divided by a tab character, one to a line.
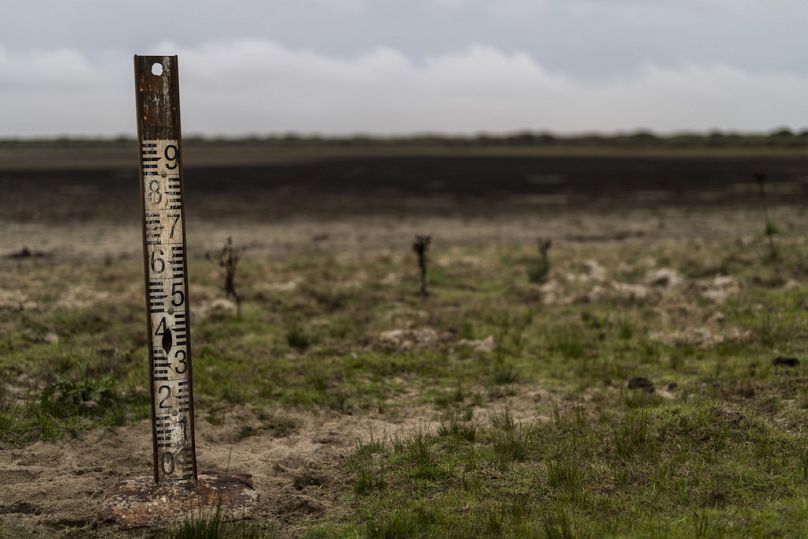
714	449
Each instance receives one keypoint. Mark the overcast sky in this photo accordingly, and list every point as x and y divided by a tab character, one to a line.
406	66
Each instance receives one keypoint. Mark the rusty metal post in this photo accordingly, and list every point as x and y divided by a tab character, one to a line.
175	491
165	268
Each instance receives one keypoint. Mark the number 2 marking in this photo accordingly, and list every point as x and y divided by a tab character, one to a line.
168	396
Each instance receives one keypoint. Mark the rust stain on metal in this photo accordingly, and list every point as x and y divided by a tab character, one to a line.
137	503
158	98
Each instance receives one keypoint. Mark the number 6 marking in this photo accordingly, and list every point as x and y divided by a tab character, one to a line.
158	265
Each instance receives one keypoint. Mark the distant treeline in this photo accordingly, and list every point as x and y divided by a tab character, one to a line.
636	139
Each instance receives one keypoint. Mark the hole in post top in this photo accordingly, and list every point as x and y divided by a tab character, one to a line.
157	69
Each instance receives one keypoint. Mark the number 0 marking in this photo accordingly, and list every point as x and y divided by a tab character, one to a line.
168	463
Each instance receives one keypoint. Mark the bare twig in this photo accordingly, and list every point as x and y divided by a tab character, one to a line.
538	273
228	259
420	246
771	228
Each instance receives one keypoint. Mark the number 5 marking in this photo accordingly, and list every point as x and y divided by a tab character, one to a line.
175	300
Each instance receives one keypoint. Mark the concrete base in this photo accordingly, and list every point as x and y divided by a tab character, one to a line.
139	502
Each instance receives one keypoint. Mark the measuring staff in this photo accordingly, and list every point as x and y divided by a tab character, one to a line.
166	275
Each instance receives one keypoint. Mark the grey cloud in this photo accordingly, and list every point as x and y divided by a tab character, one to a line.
585	38
260	86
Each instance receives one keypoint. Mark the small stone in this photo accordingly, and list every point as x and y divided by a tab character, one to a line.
782	361
595	271
552	293
720	288
287	286
631	292
664	278
644	384
405	339
485	346
791	284
221	307
424	335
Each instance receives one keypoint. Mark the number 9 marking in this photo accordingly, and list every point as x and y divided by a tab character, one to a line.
170	154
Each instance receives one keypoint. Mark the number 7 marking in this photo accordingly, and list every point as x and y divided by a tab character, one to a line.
174	224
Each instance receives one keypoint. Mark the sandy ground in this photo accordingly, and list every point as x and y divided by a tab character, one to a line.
56	487
100	239
53	487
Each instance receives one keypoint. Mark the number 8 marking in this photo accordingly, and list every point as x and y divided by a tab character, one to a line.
155	196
